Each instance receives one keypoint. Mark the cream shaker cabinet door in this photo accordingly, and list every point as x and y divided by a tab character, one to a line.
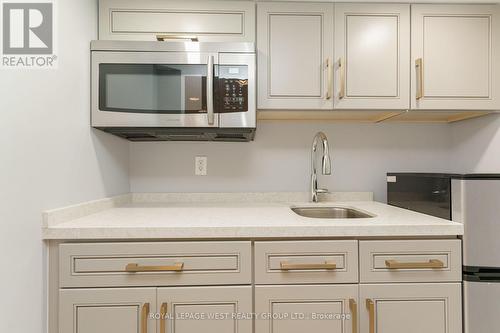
455	56
306	308
207	20
205	309
295	55
115	310
372	56
411	308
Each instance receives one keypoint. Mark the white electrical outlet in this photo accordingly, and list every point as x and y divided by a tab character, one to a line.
200	165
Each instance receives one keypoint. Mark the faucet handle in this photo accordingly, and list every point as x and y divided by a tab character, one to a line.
322	190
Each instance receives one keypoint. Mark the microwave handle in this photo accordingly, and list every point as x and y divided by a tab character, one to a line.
210	90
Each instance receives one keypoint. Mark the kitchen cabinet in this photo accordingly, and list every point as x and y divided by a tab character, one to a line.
306	308
295	55
205	309
150	310
372	54
410	260
155	264
284	262
410	308
367	62
219	21
456	58
295	286
107	310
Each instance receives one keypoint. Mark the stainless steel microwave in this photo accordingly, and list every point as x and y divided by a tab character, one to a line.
187	91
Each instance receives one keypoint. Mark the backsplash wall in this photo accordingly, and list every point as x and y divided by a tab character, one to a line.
279	158
476	145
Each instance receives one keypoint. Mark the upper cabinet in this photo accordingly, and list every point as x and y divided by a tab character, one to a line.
378	59
295	55
232	21
372	54
455	54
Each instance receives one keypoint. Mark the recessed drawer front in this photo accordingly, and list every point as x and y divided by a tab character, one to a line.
410	261
290	262
154	264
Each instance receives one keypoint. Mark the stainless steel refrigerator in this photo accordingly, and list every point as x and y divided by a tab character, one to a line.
476	203
473	200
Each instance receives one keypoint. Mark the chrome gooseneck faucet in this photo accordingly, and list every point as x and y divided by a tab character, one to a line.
326	164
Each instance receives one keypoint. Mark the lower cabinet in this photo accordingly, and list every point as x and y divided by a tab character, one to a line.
123	310
306	308
150	310
411	308
382	308
205	309
410	286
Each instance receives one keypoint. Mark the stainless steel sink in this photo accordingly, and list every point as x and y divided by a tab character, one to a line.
331	212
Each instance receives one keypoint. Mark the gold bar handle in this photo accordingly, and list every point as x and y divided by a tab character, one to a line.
353	307
134	268
419	67
162	38
342	78
329	73
370	305
144	318
433	263
163	317
286	266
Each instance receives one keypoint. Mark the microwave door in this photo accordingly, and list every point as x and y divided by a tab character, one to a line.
153	89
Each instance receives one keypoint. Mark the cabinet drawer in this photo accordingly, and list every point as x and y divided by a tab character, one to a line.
410	261
306	262
154	264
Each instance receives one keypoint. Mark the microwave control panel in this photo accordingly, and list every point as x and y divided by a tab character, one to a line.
232	89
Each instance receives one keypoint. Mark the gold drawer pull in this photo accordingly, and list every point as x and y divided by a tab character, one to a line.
163	318
342	78
329	79
133	267
162	38
144	318
419	66
433	263
286	266
353	307
370	305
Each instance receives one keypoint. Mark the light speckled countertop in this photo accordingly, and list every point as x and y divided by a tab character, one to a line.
182	216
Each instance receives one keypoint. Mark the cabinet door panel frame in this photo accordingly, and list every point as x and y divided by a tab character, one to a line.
448	294
297	98
269	298
225	21
399	99
235	299
455	100
71	301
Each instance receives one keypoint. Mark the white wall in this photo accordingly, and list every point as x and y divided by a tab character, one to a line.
279	160
49	158
476	145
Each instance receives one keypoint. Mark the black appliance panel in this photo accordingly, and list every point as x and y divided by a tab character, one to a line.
424	193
